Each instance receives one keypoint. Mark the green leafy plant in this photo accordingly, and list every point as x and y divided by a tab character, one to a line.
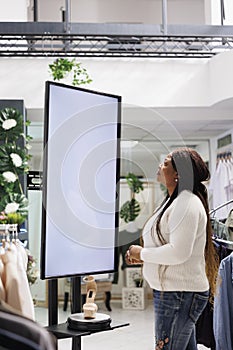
62	67
131	208
13	164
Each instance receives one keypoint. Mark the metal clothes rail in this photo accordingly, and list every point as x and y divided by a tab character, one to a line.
220	206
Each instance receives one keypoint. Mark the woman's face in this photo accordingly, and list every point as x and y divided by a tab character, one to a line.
166	174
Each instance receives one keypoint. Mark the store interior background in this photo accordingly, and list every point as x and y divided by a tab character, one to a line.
165	102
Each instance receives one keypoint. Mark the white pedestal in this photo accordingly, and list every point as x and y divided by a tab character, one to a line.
133	298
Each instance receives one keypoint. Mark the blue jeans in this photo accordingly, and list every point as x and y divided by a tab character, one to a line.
176	314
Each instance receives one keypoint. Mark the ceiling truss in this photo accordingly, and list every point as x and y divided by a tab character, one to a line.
34	39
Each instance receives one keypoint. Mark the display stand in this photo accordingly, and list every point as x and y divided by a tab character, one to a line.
76	298
61	331
52	302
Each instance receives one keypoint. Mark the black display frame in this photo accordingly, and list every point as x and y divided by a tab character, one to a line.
43	275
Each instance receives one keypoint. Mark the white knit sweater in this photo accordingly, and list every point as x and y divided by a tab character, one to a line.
183	225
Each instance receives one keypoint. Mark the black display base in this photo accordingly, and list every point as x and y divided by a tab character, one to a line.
100	323
62	331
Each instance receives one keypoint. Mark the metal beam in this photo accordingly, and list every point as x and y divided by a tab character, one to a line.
113	29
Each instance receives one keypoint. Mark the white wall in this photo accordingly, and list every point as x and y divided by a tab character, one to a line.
128	11
228	4
210	85
13	10
197	12
141	82
212	12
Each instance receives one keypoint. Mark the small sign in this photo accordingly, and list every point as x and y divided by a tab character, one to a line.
35	180
225	141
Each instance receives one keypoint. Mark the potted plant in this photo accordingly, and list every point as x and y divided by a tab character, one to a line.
61	68
131	208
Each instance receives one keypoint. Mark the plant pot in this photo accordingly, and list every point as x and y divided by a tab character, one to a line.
138	283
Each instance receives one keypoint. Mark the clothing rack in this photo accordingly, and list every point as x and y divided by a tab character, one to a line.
220	240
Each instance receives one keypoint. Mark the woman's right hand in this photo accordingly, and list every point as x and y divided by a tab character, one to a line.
130	260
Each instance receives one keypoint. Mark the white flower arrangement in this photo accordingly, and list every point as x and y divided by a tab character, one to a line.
16	159
13	163
9	124
11	208
9	176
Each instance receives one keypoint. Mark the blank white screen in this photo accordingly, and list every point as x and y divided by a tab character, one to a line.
81	181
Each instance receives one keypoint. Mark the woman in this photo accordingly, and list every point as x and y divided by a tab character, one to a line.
179	260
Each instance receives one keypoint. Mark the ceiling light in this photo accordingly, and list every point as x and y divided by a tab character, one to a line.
128	143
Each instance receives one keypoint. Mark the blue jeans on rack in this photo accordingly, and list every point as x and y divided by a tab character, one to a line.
176	314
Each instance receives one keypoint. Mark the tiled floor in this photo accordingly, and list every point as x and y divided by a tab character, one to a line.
137	336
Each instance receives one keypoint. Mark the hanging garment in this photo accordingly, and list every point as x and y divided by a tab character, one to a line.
205	326
219	229
22	254
220	186
229	225
2	289
223	306
229	188
15	281
27	302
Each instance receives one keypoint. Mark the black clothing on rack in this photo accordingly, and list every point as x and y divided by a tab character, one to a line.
19	332
204	326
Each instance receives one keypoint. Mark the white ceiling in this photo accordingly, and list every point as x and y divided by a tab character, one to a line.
162	129
158	130
188	122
